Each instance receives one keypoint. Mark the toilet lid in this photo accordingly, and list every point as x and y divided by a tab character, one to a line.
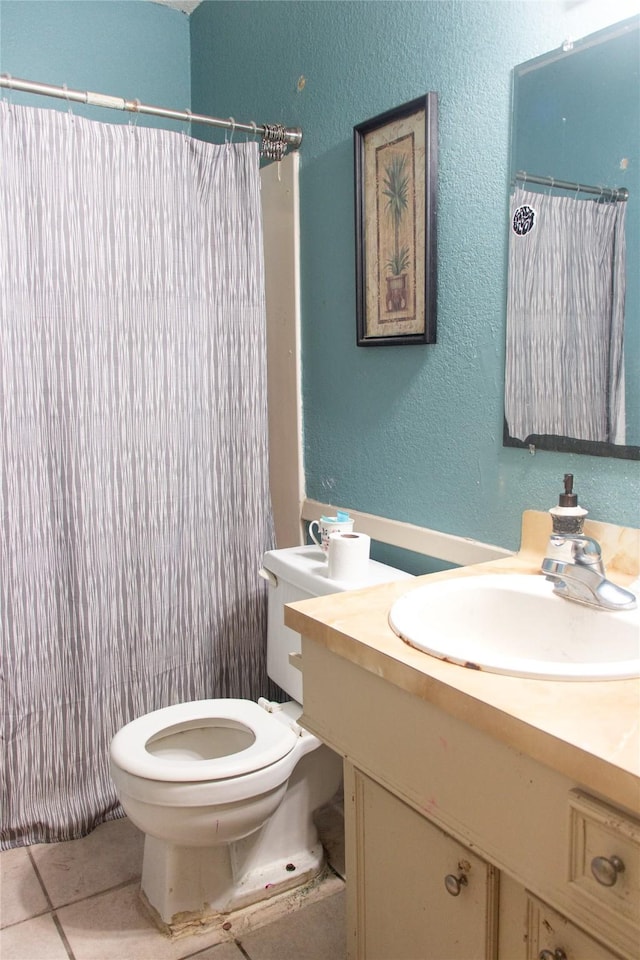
182	742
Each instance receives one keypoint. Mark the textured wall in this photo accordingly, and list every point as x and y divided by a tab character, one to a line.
128	48
413	433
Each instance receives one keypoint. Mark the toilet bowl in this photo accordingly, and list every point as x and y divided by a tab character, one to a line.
225	790
232	758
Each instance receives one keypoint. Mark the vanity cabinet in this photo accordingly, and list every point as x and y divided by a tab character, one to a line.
422	895
434	804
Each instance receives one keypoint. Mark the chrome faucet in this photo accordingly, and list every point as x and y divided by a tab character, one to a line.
574	564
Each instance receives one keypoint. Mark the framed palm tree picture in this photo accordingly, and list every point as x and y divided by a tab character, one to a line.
396	168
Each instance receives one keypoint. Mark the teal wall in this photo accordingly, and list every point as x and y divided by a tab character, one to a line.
413	433
128	48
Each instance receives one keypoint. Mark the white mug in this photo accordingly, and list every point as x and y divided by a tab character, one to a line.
325	527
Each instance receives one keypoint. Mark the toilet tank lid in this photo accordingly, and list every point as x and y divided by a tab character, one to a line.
306	568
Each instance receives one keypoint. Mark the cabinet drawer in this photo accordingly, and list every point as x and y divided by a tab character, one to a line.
550	934
604	861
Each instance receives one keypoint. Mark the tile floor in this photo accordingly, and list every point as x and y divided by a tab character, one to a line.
79	901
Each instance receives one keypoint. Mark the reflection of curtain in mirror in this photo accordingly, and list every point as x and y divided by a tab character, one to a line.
565	318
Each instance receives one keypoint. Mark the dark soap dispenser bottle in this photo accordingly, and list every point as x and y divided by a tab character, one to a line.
568	517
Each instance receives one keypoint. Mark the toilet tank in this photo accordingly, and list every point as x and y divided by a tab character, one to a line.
297	573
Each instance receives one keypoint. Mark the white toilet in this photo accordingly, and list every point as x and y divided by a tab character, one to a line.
225	790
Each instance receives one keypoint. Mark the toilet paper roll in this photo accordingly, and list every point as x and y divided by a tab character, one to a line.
348	556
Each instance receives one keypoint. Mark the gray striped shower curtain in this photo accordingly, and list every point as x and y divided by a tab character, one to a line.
565	318
134	500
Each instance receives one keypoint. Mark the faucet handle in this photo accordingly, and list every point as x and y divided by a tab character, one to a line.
588	550
576	549
580	544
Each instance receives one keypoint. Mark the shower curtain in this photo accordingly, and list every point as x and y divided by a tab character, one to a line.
134	491
565	318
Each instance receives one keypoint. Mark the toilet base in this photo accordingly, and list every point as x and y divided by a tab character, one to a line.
189	888
222	927
194	884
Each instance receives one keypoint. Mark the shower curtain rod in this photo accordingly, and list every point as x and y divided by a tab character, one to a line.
607	193
276	138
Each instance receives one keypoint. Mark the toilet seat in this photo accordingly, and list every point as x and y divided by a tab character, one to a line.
273	740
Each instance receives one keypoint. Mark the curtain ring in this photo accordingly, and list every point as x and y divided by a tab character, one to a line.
66	94
233	129
9	79
189	114
274	144
136	110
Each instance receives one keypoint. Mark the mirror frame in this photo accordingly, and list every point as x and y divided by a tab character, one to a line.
594	448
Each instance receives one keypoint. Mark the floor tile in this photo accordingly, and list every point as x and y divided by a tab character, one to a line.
115	926
315	933
21	895
110	855
36	939
224	951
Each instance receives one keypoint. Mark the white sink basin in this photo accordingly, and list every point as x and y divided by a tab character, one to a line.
514	624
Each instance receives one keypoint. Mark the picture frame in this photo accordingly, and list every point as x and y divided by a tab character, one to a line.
396	179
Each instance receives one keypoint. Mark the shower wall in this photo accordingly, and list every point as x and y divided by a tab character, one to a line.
129	48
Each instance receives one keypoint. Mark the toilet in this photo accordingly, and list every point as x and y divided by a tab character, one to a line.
225	790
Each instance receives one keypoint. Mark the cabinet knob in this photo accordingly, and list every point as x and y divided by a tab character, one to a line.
455	884
606	870
558	954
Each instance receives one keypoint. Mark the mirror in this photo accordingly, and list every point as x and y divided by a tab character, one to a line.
572	379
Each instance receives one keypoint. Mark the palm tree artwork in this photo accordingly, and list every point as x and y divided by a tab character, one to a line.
395	189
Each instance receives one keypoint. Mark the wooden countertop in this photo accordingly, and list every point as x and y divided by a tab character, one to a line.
587	730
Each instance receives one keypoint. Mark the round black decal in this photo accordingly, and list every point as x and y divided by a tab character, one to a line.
524	220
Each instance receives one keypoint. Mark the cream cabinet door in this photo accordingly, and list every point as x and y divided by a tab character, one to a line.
531	930
552	937
416	894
